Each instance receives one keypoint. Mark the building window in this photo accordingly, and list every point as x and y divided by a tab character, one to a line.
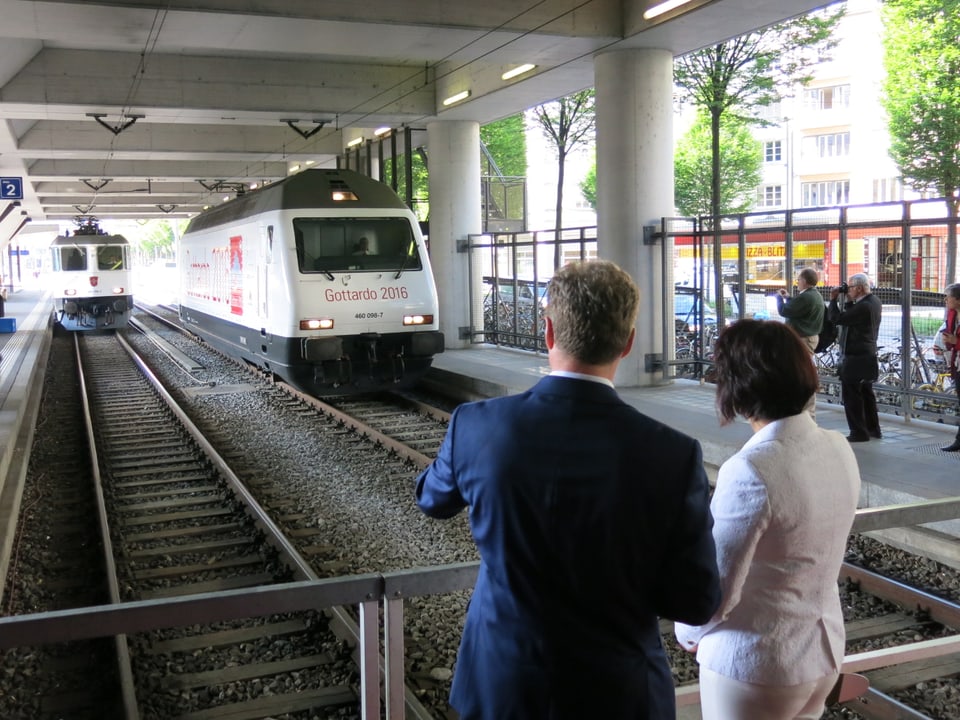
771	151
770	196
771	112
827	98
827	146
825	194
887	190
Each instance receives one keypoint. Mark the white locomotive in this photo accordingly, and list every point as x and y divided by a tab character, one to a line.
322	279
91	278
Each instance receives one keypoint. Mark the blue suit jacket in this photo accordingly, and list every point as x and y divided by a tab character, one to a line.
592	521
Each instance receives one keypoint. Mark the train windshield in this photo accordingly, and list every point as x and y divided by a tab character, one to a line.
326	245
69	258
110	257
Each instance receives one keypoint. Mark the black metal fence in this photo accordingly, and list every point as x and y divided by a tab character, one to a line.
715	276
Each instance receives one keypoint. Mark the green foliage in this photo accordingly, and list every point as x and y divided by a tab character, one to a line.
421	183
156	239
741	158
926	325
568	122
588	186
506	141
921	92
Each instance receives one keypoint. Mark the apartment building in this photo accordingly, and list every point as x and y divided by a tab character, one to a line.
829	143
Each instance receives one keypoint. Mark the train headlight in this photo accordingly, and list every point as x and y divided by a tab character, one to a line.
317	324
69	292
418	319
117	291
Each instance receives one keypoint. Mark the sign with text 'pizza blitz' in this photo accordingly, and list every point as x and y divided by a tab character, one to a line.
11	188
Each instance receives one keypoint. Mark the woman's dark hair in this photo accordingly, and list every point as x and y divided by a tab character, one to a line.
763	371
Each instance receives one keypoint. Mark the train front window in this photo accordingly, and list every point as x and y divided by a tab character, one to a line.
327	245
110	257
70	258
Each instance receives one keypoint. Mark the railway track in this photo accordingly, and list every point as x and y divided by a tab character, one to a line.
181	524
395	423
307	526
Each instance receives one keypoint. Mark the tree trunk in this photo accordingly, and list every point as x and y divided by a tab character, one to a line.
715	212
558	224
952	202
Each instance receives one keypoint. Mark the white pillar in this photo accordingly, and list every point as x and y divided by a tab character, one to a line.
454	170
634	100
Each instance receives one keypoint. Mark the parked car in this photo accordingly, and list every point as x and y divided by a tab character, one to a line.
686	310
524	294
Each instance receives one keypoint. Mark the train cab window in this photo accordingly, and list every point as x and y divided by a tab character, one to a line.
110	257
71	258
327	245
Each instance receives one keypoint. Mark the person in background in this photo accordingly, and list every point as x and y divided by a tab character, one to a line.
362	247
952	302
592	522
859	325
75	260
804	313
774	648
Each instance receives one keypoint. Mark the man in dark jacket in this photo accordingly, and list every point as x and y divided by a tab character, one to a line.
859	323
591	520
804	313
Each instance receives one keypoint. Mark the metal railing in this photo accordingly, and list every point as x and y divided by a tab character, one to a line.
375	592
713	277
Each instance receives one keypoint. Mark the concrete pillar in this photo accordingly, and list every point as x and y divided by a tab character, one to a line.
634	105
453	163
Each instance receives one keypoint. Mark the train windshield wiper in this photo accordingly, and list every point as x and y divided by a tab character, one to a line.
324	271
403	265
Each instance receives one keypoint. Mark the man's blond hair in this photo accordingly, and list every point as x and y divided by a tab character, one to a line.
593	307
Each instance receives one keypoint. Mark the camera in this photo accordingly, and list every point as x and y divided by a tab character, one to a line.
843	288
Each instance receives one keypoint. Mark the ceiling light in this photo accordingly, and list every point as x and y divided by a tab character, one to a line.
519	70
381	131
664	7
355	142
457	98
294	168
309	162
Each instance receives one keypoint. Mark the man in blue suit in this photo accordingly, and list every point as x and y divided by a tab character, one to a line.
592	522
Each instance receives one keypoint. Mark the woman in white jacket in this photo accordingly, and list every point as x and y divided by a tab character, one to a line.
783	508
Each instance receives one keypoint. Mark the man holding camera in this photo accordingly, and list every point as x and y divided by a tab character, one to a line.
804	313
859	324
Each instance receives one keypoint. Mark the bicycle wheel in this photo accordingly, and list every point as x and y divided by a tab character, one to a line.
927	403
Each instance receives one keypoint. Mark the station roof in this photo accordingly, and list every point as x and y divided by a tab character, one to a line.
137	109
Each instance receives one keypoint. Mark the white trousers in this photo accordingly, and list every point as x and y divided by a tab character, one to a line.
723	698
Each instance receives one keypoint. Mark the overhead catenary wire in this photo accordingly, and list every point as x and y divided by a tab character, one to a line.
153	36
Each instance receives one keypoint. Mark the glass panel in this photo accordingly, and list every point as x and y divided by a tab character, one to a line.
355	244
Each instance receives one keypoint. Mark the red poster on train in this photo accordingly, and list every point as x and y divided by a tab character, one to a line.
236	275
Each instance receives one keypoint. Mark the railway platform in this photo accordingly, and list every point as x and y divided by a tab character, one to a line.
23	357
906	466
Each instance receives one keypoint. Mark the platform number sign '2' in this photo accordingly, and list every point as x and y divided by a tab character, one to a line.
11	188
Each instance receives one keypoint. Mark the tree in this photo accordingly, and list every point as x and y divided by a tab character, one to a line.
921	95
747	73
157	239
507	143
741	158
420	194
505	163
566	123
588	186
